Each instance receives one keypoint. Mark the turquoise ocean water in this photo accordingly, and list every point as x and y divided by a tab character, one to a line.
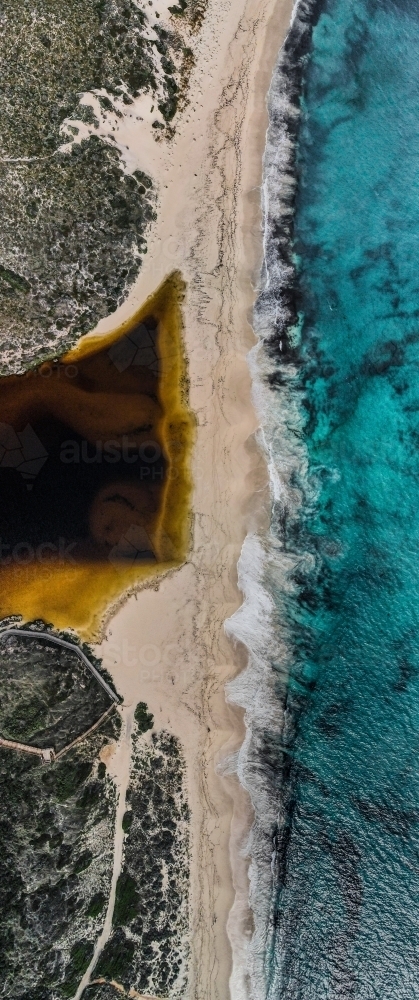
340	314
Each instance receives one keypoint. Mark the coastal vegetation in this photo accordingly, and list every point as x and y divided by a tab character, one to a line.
147	947
49	697
57	829
56	822
102	991
74	220
143	717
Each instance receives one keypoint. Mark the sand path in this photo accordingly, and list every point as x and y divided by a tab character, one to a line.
167	645
119	768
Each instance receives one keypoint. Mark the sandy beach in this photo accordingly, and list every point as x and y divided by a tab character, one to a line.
209	531
166	645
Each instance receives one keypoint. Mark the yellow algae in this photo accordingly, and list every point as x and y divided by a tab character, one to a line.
106	402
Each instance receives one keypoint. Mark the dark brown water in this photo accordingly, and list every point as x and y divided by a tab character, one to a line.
82	455
94	480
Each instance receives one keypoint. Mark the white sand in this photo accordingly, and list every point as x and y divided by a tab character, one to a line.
167	646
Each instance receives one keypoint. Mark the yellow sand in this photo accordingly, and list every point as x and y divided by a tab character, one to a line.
166	645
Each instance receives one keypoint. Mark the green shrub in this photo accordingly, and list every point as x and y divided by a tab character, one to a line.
127	821
143	718
96	905
178	11
116	958
69	775
126	901
80	956
83	862
90	796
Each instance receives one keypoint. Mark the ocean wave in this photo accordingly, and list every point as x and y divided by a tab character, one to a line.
331	613
268	563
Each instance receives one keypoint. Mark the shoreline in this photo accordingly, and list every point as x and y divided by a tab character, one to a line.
166	644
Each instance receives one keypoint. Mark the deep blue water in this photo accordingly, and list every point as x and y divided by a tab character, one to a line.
346	904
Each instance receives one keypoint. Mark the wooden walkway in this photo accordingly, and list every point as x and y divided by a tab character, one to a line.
31	634
82	736
48	755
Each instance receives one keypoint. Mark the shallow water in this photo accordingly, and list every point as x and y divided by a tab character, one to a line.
345	533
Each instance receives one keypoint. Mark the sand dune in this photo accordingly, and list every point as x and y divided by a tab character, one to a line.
167	645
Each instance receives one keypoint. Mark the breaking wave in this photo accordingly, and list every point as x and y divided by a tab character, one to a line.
330	612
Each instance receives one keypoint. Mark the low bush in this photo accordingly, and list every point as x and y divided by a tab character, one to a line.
143	718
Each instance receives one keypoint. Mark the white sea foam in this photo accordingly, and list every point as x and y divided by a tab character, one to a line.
266	563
